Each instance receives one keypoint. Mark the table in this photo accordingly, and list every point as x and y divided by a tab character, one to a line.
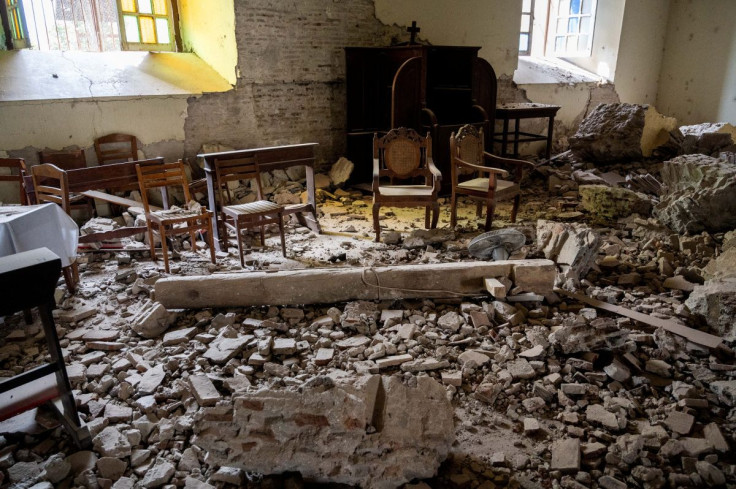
268	159
28	279
517	112
27	227
24	228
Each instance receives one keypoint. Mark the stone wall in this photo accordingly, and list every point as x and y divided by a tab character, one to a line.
291	76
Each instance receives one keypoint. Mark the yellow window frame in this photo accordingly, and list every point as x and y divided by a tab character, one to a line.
148	26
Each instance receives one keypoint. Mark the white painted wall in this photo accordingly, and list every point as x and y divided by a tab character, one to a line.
698	76
491	24
639	57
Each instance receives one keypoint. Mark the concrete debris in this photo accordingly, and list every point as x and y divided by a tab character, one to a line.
621	132
572	247
708	138
340	171
151	320
401	432
607	203
700	194
715	303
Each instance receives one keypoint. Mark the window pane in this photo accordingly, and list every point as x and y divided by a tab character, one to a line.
526	6
585	25
144	7
564	8
525	23
583	43
128	5
148	32
574	6
572	25
159	7
561	26
586	6
162	31
559	43
524	43
131	28
572	43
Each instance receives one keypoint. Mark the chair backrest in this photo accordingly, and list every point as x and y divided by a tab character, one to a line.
155	174
468	144
230	170
402	153
51	184
116	148
66	160
17	167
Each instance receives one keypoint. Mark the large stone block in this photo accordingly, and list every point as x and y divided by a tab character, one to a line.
715	302
370	431
700	193
621	132
605	202
572	246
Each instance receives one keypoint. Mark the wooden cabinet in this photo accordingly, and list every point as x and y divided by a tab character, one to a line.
433	89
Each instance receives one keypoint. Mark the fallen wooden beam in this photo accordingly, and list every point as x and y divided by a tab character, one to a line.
328	285
690	334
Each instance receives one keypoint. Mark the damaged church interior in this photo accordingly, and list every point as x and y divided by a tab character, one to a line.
367	243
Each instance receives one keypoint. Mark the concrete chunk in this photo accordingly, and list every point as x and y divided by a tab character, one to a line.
204	390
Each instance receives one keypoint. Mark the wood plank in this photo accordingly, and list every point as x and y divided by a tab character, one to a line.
495	288
116	199
694	335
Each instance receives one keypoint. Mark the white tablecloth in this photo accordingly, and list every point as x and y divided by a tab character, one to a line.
24	228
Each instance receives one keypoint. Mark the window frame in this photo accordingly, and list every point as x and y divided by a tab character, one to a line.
14	24
529	32
125	45
553	21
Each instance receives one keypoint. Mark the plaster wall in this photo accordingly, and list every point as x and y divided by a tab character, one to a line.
491	24
208	29
698	76
640	50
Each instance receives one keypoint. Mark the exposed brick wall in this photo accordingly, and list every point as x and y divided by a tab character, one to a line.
291	86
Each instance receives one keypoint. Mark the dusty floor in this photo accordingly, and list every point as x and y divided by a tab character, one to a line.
492	448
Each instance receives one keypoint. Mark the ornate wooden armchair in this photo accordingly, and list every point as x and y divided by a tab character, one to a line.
170	222
475	173
402	154
116	148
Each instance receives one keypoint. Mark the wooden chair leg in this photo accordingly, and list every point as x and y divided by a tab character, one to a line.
435	215
426	217
281	231
27	316
376	223
211	240
263	235
515	209
164	246
489	214
71	276
478	209
453	210
151	242
239	235
193	239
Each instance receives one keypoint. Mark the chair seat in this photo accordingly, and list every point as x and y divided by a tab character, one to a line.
175	214
406	190
252	208
504	188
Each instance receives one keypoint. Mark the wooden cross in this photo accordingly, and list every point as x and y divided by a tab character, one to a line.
413	30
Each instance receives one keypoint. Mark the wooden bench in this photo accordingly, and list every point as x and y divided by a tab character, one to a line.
58	186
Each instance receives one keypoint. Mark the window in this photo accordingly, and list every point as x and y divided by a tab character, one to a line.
525	38
566	28
95	25
17	35
147	25
573	27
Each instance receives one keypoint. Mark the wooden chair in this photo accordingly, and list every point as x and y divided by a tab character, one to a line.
159	175
402	154
253	214
17	167
116	148
51	184
469	166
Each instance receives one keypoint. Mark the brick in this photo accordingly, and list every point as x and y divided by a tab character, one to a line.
204	390
393	360
566	455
